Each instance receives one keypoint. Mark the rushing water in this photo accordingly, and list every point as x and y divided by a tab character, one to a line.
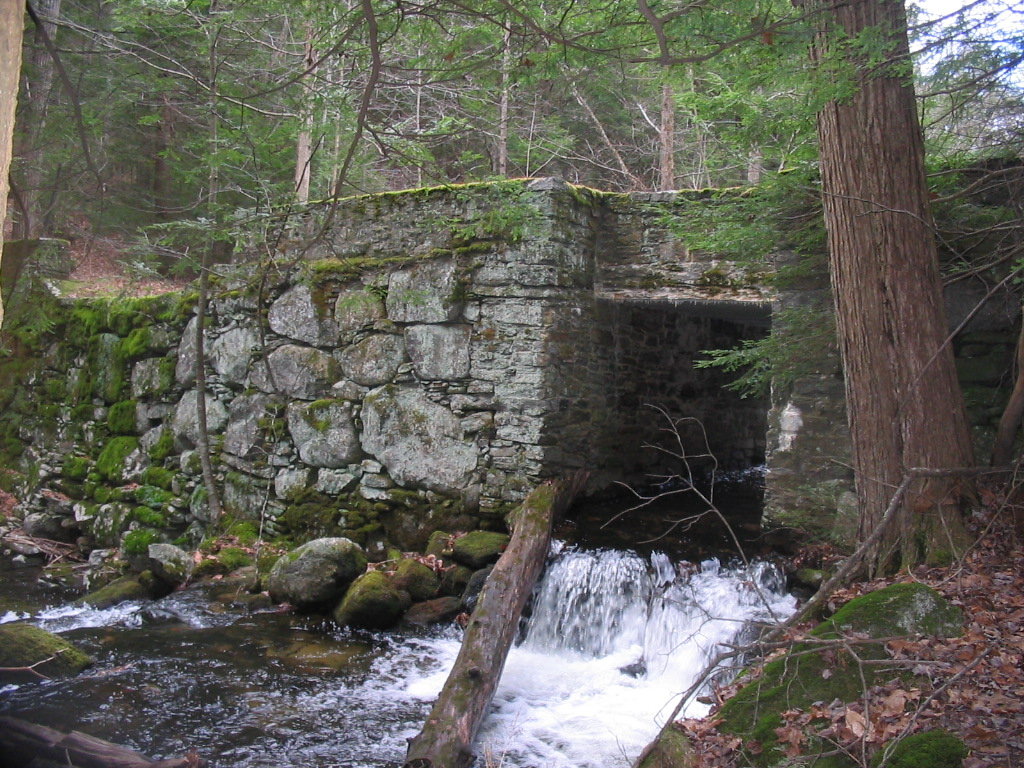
613	638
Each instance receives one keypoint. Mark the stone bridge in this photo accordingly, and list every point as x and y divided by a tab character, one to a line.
419	360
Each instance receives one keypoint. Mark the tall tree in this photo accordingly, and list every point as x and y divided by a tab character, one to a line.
904	402
11	25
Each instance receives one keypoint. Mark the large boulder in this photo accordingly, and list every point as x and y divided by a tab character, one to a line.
420	442
23	645
232	352
248	418
323	433
427	292
121	590
374	360
299	315
356	310
372	602
812	672
479	548
316	573
439	351
186	417
436	611
417	579
171	564
304	373
185	367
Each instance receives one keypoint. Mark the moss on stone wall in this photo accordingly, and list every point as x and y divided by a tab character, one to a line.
110	462
121	417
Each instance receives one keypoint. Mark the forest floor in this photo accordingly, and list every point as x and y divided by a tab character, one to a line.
102	269
972	685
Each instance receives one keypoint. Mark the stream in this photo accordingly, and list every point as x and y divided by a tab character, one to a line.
612	638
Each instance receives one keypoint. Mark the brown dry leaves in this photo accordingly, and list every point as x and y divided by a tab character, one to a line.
971	685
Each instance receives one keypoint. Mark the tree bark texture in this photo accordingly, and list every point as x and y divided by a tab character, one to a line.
1009	422
667	140
11	26
905	405
40	72
22	743
447	737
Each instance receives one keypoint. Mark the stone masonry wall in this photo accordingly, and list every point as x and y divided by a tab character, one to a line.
410	362
418	361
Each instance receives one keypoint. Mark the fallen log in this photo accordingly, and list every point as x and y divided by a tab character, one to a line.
447	736
22	743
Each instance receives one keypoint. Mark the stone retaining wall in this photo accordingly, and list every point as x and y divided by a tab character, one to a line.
411	362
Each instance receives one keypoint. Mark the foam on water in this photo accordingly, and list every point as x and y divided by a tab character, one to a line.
613	641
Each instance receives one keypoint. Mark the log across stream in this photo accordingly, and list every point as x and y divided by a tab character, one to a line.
611	637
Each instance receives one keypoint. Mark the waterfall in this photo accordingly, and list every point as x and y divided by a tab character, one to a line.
612	640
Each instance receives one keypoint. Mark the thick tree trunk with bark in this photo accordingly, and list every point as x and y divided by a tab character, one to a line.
1009	422
447	737
11	25
40	72
905	405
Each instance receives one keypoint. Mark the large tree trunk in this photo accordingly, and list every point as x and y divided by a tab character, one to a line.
447	737
11	25
39	76
905	405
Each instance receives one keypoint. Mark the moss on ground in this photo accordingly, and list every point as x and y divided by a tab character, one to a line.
823	671
927	749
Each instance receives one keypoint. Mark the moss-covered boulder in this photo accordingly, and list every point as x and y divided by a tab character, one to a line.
415	578
815	672
317	573
479	548
900	609
119	591
171	564
22	645
372	602
454	579
439	545
112	462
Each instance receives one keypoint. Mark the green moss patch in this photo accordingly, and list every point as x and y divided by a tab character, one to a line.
76	467
118	591
813	672
121	417
479	548
928	749
137	542
159	477
23	645
110	463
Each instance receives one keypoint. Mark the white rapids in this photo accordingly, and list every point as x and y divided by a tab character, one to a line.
612	642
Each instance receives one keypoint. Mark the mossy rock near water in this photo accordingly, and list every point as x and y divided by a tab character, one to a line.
316	573
23	645
372	602
479	548
807	674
